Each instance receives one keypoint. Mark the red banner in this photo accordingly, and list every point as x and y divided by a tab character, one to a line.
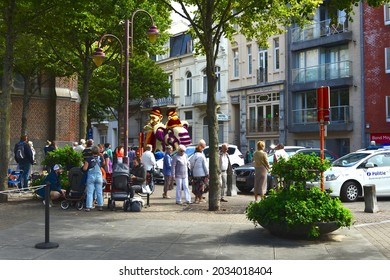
380	138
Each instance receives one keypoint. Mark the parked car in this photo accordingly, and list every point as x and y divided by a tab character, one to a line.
235	156
317	151
348	174
290	150
245	178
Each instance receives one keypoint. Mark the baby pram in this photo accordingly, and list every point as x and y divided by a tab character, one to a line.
120	186
75	195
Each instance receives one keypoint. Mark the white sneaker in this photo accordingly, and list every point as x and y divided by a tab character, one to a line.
44	203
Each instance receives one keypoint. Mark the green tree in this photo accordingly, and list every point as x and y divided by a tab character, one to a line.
212	19
82	23
146	79
72	29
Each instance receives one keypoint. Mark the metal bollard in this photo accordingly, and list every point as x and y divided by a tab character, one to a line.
231	185
47	244
370	201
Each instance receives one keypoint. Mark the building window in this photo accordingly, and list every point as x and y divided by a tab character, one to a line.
188	115
387	60
304	107
262	73
189	46
217	74
276	54
249	48
188	84
235	64
170	81
165	55
387	108
387	14
263	112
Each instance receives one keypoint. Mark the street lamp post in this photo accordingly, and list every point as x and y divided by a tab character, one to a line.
99	56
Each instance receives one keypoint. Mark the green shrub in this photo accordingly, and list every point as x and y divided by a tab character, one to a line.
296	205
299	169
66	156
38	180
299	206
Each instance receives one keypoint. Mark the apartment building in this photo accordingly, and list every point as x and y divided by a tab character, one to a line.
257	91
376	67
187	74
325	54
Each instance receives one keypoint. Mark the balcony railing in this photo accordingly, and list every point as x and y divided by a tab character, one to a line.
262	125
322	72
318	29
150	102
200	98
338	114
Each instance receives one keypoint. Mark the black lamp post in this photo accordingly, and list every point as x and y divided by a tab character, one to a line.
99	56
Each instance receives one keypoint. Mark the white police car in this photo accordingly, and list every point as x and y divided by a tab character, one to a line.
348	174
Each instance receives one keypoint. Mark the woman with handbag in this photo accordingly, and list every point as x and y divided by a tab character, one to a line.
200	173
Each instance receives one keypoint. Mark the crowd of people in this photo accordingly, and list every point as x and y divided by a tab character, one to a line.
178	168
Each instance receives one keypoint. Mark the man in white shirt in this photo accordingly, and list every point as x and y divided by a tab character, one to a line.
224	164
280	153
148	159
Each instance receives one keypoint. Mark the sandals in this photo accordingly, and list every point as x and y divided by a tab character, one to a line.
87	209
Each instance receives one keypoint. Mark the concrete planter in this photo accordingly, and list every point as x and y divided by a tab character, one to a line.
299	231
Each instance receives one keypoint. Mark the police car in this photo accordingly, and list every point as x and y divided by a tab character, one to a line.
348	174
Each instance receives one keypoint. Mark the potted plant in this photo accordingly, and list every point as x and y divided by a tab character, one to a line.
293	209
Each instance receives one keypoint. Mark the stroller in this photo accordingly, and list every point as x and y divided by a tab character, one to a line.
75	195
120	186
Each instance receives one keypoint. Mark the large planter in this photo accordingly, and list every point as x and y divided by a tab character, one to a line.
299	231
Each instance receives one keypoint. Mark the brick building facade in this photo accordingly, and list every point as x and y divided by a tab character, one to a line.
53	114
376	30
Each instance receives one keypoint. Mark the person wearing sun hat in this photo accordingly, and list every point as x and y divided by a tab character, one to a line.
53	178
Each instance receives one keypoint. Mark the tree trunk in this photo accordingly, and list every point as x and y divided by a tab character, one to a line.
26	105
85	97
214	170
5	99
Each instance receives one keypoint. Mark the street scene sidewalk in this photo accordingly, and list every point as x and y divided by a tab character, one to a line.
166	231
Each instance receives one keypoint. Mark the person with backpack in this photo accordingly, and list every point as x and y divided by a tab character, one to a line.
24	158
94	182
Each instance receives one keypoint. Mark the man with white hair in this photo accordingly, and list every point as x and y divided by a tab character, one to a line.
80	148
148	159
226	168
202	144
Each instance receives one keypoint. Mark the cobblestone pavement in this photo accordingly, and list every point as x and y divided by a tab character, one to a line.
375	227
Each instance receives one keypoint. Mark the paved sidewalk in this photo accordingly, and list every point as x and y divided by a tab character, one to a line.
166	231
